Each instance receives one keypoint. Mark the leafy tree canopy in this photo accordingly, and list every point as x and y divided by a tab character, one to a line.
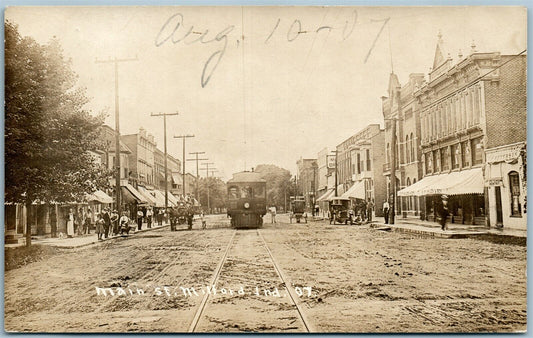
48	134
279	184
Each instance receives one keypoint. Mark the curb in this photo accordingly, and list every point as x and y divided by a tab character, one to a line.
104	240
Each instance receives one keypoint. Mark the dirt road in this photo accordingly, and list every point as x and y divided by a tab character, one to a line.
360	280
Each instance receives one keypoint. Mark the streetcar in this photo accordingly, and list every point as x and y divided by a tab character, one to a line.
246	200
297	209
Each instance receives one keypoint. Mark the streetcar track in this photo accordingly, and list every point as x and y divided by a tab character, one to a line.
216	275
284	281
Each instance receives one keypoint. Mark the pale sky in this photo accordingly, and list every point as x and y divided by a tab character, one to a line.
281	94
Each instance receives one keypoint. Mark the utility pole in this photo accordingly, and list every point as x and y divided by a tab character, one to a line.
396	94
183	137
207	182
116	61
197	173
165	142
336	174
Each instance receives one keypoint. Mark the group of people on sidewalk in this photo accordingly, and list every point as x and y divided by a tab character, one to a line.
388	212
108	223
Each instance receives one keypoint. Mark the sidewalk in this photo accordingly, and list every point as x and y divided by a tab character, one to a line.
454	230
81	240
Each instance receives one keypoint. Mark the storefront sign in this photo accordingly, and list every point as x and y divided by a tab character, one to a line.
504	155
331	161
495	181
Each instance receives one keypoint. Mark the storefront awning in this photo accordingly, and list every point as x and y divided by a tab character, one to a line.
455	183
100	197
130	194
148	195
160	197
356	191
173	199
325	196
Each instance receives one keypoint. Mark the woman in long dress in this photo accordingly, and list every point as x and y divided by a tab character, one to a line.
70	224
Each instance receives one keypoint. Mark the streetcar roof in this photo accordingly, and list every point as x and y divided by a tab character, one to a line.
247	177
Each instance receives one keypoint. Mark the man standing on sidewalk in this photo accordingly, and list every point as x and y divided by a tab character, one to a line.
140	215
386	208
444	212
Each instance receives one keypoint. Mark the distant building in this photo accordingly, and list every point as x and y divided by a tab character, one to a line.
360	160
173	166
307	180
141	159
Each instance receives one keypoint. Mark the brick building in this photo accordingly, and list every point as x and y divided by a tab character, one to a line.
401	108
462	110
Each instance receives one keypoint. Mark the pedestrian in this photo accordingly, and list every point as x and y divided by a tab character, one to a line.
369	210
88	221
114	222
99	226
160	216
363	210
273	214
70	224
107	222
386	208
124	223
139	219
149	214
444	212
202	218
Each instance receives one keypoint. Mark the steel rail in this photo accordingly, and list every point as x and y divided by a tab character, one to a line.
214	280
303	318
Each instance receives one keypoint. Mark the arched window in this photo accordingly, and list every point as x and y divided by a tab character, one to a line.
514	187
407	150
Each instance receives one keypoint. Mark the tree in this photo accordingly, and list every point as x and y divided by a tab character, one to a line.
47	132
279	186
217	192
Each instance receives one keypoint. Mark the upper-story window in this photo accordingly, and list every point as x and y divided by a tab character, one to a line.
436	161
466	155
358	163
368	162
407	150
444	159
477	151
413	153
456	153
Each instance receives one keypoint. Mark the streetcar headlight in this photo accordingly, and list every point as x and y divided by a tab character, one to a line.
246	205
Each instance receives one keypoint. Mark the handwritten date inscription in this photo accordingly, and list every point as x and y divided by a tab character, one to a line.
174	31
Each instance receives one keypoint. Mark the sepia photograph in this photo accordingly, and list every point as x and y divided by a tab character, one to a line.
265	169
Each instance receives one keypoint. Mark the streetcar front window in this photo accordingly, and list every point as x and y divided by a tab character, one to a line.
233	193
259	192
246	192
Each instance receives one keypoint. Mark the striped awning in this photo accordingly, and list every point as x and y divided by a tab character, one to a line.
455	183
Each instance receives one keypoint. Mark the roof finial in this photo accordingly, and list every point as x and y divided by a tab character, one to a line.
439	35
473	46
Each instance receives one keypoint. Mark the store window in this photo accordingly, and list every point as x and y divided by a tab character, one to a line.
456	153
436	161
444	159
465	153
514	184
477	152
